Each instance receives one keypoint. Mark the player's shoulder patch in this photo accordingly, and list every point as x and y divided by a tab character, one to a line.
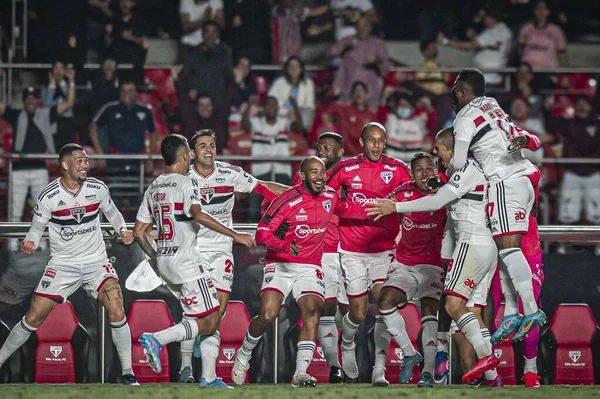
393	164
50	191
346	165
225	168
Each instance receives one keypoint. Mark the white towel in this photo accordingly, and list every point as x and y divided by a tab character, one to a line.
143	278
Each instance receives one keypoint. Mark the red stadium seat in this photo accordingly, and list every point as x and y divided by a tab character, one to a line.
573	326
393	364
233	329
62	348
506	353
148	316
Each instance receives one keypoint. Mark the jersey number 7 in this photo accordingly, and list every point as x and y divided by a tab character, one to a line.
164	221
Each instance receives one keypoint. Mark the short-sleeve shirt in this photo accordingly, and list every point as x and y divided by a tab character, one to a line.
494	50
540	45
196	12
344	27
270	140
126	127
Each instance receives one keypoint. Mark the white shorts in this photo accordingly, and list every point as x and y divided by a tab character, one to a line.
197	298
60	281
480	293
297	278
448	240
510	203
334	282
220	267
362	271
577	192
416	282
470	266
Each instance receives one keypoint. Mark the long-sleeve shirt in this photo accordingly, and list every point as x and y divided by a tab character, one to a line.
349	120
50	97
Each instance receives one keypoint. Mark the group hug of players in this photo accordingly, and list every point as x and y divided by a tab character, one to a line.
345	228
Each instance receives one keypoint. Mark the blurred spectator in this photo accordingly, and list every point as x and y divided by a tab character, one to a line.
200	112
350	117
294	85
407	131
248	29
364	57
126	124
99	15
209	68
126	38
519	113
246	87
543	44
438	15
317	32
491	46
55	93
193	14
33	130
527	87
105	87
287	37
434	82
347	13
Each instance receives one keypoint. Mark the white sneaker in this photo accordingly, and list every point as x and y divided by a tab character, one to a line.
304	380
378	379
349	360
238	372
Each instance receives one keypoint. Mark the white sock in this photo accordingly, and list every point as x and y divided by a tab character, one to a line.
121	337
187	348
304	356
428	341
250	342
182	331
469	326
443	341
397	329
17	337
508	290
530	365
209	346
348	331
382	340
520	273
328	338
487	337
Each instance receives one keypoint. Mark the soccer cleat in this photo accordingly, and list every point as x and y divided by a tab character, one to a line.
197	353
495	383
349	361
378	378
152	350
336	375
481	366
426	380
441	365
304	380
528	323
508	325
186	375
216	383
129	379
238	372
408	365
531	380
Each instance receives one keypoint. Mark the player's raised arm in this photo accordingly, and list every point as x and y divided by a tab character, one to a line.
426	204
463	130
41	216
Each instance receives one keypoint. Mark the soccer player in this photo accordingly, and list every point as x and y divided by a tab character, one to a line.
70	206
366	246
416	272
475	254
217	182
173	202
293	230
483	128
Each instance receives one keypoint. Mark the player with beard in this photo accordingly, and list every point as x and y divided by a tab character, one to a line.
293	229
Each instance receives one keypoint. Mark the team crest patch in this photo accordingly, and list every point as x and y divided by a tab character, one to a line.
228	353
320	352
77	214
327	205
206	194
55	350
386	176
574	355
399	353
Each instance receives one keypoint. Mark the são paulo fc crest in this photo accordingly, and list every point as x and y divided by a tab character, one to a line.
399	353
56	350
574	355
320	352
77	214
228	353
206	194
386	176
327	205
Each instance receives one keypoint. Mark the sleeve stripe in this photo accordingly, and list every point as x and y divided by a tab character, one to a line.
279	203
49	187
97	116
339	166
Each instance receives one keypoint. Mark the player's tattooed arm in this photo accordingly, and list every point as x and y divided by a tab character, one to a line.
140	232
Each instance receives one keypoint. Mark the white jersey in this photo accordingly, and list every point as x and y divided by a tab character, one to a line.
494	49
73	220
167	202
468	213
270	140
487	128
216	192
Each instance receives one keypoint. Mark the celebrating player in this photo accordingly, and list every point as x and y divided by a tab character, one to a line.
293	230
172	202
71	206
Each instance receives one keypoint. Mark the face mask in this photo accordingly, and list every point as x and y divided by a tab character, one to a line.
404	112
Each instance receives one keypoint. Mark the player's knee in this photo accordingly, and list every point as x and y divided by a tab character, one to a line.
389	299
115	313
452	306
35	319
329	308
358	312
268	315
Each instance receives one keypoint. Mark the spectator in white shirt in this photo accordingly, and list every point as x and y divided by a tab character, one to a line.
519	113
193	14
347	12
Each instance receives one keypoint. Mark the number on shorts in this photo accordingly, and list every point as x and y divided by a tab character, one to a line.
228	266
319	274
392	258
450	265
490	209
109	269
165	223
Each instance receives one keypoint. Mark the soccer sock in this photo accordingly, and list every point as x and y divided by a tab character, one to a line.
304	356
397	329
490	374
520	273
17	337
121	337
249	344
328	338
508	290
443	341
186	349
182	331
428	341
530	365
530	343
209	346
348	331
382	340
469	326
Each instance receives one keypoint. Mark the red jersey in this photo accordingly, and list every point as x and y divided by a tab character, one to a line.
422	232
303	217
362	182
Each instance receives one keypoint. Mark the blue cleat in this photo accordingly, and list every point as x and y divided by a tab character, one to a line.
508	325
129	379
152	350
426	380
216	383
441	365
408	365
197	353
528	323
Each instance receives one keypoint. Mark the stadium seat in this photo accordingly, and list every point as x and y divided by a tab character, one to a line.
61	348
149	316
506	353
233	329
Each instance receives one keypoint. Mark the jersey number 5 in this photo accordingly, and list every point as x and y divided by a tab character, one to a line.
165	223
